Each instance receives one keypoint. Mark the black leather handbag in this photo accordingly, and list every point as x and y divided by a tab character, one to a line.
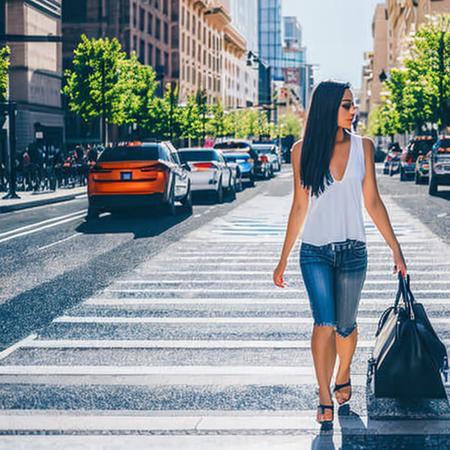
408	360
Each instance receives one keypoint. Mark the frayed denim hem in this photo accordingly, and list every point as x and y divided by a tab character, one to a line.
325	324
345	332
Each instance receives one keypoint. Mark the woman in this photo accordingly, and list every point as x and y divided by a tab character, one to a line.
333	171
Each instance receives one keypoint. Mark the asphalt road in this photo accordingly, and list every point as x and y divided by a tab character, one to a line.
144	330
51	258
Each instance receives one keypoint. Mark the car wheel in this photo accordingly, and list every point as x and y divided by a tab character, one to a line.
169	208
239	186
92	214
219	193
187	201
402	175
232	190
432	186
252	181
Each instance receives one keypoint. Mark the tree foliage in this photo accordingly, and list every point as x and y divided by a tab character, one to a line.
419	92
97	81
4	66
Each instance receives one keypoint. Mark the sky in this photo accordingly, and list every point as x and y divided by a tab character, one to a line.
336	34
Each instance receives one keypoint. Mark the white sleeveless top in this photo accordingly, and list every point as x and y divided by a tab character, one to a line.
337	215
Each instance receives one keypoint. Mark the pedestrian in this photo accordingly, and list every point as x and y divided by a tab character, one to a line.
334	172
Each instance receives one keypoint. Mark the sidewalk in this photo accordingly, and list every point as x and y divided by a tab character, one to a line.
32	199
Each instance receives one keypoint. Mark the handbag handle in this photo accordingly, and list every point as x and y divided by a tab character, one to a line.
404	291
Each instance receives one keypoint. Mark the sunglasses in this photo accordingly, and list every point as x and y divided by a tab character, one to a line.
348	105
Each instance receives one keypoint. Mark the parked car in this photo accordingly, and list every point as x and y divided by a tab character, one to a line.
242	154
271	150
392	156
419	145
422	168
138	175
439	174
209	171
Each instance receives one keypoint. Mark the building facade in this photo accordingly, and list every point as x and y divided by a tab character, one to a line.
394	24
244	17
198	31
141	26
35	70
270	36
297	72
404	18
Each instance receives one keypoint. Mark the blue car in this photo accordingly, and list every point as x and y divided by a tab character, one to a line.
241	154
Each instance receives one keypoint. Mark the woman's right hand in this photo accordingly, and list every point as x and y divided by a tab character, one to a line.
278	273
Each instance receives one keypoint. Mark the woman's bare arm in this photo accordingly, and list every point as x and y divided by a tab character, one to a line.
376	208
297	215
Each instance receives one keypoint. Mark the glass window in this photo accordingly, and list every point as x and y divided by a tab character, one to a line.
198	155
150	23
150	54
166	33
122	153
141	19
158	29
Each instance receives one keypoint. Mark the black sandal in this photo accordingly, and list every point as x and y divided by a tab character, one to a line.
338	387
323	408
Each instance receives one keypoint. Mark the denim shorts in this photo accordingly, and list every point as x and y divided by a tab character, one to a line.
334	275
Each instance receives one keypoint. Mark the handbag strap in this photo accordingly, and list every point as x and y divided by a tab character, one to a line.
404	291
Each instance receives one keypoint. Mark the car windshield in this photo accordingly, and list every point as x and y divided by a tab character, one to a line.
231	145
263	149
235	156
125	153
421	147
444	144
198	155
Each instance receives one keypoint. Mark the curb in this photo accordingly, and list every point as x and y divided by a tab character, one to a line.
40	202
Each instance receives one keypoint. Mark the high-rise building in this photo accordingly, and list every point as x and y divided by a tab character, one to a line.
35	70
270	36
296	71
244	17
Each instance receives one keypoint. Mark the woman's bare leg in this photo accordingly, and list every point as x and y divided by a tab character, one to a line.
323	346
345	348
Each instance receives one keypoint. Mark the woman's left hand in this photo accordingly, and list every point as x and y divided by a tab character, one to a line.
399	262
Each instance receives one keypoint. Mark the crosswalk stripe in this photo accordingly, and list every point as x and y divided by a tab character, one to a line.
376	303
187	344
154	370
214	320
281	291
219	421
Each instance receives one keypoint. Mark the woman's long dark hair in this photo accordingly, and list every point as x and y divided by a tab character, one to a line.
320	135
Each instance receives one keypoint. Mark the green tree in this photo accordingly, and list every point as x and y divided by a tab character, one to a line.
217	124
96	84
4	66
191	124
165	114
139	93
290	125
428	64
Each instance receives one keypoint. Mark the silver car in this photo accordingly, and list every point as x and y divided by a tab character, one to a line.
271	151
209	172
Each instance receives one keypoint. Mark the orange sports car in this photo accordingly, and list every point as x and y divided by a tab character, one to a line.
138	175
